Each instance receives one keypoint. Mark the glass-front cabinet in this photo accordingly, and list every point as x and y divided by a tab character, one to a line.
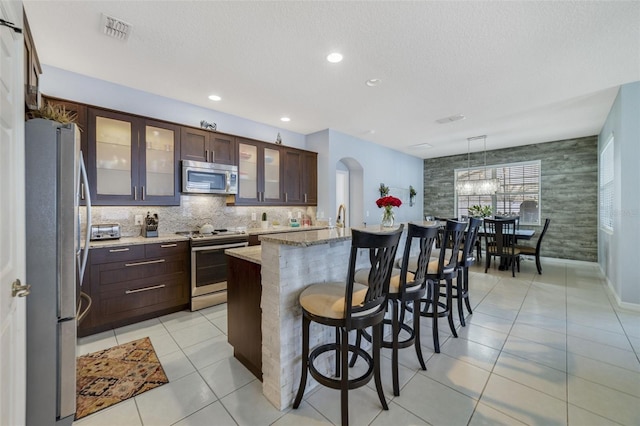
259	173
132	161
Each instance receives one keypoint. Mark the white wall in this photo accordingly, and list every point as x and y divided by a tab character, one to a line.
617	252
379	164
64	84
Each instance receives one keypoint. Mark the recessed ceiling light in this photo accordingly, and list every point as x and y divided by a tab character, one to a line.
285	119
334	57
373	82
215	97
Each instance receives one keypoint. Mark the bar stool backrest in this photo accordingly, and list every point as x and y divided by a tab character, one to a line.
426	236
470	239
382	249
451	240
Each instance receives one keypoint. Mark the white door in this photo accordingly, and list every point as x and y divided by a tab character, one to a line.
12	236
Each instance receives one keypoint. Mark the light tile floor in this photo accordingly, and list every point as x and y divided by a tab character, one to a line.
549	349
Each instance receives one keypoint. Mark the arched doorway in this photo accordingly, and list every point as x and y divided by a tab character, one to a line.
349	185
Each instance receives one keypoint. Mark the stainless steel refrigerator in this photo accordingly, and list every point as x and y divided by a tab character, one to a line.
55	258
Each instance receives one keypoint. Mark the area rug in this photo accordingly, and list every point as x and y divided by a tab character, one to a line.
107	377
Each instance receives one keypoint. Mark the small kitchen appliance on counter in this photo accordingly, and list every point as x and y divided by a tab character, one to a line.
150	227
107	231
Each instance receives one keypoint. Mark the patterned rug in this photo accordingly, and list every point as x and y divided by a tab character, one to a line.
112	375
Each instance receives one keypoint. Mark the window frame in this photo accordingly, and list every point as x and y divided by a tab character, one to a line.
492	172
606	158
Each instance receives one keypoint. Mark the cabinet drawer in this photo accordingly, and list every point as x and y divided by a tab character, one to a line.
171	248
143	295
116	254
117	273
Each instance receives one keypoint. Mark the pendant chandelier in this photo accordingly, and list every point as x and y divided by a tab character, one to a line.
477	186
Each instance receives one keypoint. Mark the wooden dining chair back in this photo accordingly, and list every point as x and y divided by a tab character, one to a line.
536	251
347	307
500	235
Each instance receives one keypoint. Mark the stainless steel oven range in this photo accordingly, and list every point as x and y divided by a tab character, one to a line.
209	265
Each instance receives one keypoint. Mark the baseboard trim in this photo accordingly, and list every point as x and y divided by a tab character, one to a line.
635	307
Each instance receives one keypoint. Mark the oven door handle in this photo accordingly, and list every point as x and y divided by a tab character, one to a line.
220	247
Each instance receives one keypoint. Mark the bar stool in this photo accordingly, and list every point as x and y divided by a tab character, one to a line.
466	259
406	289
350	307
440	274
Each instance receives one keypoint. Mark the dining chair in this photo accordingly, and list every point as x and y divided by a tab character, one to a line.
535	251
500	235
346	307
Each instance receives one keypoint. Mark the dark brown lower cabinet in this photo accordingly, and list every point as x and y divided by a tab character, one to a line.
133	283
244	315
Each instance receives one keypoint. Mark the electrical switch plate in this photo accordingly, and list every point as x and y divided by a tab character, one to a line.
299	215
138	219
253	216
289	215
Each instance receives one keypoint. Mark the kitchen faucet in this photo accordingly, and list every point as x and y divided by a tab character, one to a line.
340	221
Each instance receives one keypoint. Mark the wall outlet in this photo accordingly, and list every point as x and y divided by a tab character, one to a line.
138	219
253	216
299	215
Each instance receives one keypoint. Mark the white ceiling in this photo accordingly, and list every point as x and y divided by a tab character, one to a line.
521	72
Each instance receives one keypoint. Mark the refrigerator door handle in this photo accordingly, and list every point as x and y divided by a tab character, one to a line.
87	234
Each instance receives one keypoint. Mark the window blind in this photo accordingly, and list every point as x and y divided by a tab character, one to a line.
518	195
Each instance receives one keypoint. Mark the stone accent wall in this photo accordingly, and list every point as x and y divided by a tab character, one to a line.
569	192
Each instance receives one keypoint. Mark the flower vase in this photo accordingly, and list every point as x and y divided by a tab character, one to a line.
387	217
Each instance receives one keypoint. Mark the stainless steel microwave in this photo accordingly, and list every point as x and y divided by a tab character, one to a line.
209	178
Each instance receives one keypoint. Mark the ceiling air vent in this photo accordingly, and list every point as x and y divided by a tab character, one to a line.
451	118
116	28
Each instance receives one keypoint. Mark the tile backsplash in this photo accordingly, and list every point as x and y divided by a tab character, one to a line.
193	212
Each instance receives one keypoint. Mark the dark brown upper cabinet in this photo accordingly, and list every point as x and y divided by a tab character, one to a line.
206	146
132	160
259	172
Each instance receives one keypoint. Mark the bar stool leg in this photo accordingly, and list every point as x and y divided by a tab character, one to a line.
395	329
377	344
416	330
344	377
435	295
305	361
449	295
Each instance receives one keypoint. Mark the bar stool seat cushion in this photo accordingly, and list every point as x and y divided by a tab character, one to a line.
362	277
432	269
327	299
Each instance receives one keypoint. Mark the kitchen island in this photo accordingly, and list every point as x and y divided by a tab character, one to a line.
289	263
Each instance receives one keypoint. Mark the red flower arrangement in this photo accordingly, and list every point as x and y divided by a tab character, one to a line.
388	201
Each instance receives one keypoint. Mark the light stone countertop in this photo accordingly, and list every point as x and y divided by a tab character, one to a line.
317	237
281	228
252	254
130	241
